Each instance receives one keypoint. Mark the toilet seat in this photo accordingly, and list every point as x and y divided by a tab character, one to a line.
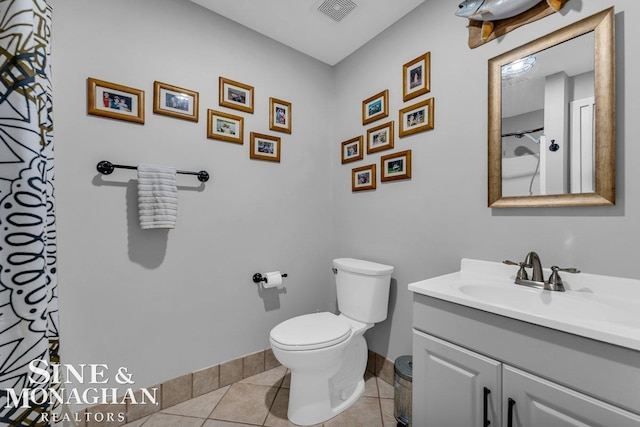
311	332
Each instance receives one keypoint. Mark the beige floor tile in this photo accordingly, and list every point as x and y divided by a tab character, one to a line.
388	419
287	380
245	403
218	423
370	385
272	377
278	413
385	389
199	407
169	420
137	423
364	413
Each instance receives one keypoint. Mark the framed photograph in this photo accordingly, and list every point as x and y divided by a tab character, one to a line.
363	178
225	127
396	166
376	107
236	95
380	138
175	101
352	150
265	147
416	118
115	101
416	77
279	115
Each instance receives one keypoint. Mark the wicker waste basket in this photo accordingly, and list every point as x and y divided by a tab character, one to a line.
403	368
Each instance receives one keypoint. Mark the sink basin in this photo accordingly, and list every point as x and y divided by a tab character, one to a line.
605	308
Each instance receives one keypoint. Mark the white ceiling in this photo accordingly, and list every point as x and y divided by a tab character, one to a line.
300	25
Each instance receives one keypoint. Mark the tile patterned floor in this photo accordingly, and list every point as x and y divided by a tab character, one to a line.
261	400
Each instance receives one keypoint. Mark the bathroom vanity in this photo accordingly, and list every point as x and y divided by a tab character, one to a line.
488	352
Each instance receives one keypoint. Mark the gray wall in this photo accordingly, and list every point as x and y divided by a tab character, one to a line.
423	226
165	303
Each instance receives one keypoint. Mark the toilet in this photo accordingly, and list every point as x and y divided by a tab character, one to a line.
327	353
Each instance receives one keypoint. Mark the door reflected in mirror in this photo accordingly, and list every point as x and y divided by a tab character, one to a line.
551	119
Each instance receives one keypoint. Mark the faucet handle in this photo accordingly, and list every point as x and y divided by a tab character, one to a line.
522	273
555	282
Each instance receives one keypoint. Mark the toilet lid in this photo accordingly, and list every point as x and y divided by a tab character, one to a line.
311	331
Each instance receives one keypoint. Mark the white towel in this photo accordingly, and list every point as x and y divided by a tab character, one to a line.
157	196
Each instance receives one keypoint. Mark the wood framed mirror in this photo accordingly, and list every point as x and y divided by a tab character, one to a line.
551	127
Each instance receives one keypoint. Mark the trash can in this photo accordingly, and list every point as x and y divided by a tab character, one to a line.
403	368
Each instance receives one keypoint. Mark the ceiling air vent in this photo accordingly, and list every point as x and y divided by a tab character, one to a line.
337	9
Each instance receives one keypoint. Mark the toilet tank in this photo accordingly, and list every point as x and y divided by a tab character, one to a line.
363	289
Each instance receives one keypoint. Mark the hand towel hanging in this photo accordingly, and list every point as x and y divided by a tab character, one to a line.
157	196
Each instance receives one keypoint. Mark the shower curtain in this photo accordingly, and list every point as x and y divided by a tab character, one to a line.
28	284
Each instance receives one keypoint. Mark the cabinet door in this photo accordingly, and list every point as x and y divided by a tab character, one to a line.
449	385
538	402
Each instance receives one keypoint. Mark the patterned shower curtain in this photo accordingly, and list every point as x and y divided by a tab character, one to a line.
28	284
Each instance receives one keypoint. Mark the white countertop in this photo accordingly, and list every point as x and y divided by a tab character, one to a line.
604	308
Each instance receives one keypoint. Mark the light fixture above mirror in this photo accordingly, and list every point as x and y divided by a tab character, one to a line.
552	119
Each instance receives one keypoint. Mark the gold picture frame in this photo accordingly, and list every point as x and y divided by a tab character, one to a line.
415	118
380	138
174	101
363	178
352	149
236	95
416	77
375	107
265	147
115	101
225	127
395	166
280	113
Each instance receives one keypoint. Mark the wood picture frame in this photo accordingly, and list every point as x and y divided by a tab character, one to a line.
115	101
352	149
236	95
174	101
415	118
280	115
380	138
395	166
416	77
363	178
265	147
225	127
375	107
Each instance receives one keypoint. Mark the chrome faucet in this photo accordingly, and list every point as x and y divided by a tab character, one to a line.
532	261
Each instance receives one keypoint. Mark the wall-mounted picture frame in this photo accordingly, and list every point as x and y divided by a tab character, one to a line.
115	101
395	166
380	138
375	107
236	95
174	101
363	178
416	118
280	115
416	77
265	147
225	127
352	149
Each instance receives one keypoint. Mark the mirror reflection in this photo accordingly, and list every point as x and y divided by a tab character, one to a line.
551	119
548	120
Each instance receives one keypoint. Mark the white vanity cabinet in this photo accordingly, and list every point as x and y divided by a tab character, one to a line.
553	378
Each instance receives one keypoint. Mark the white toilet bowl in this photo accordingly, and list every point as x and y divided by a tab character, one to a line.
327	356
327	353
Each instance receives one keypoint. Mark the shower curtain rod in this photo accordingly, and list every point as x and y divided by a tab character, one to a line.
106	167
522	132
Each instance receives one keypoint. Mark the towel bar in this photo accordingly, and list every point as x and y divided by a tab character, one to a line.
106	167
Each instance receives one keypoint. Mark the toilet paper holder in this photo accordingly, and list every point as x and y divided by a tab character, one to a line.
257	278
